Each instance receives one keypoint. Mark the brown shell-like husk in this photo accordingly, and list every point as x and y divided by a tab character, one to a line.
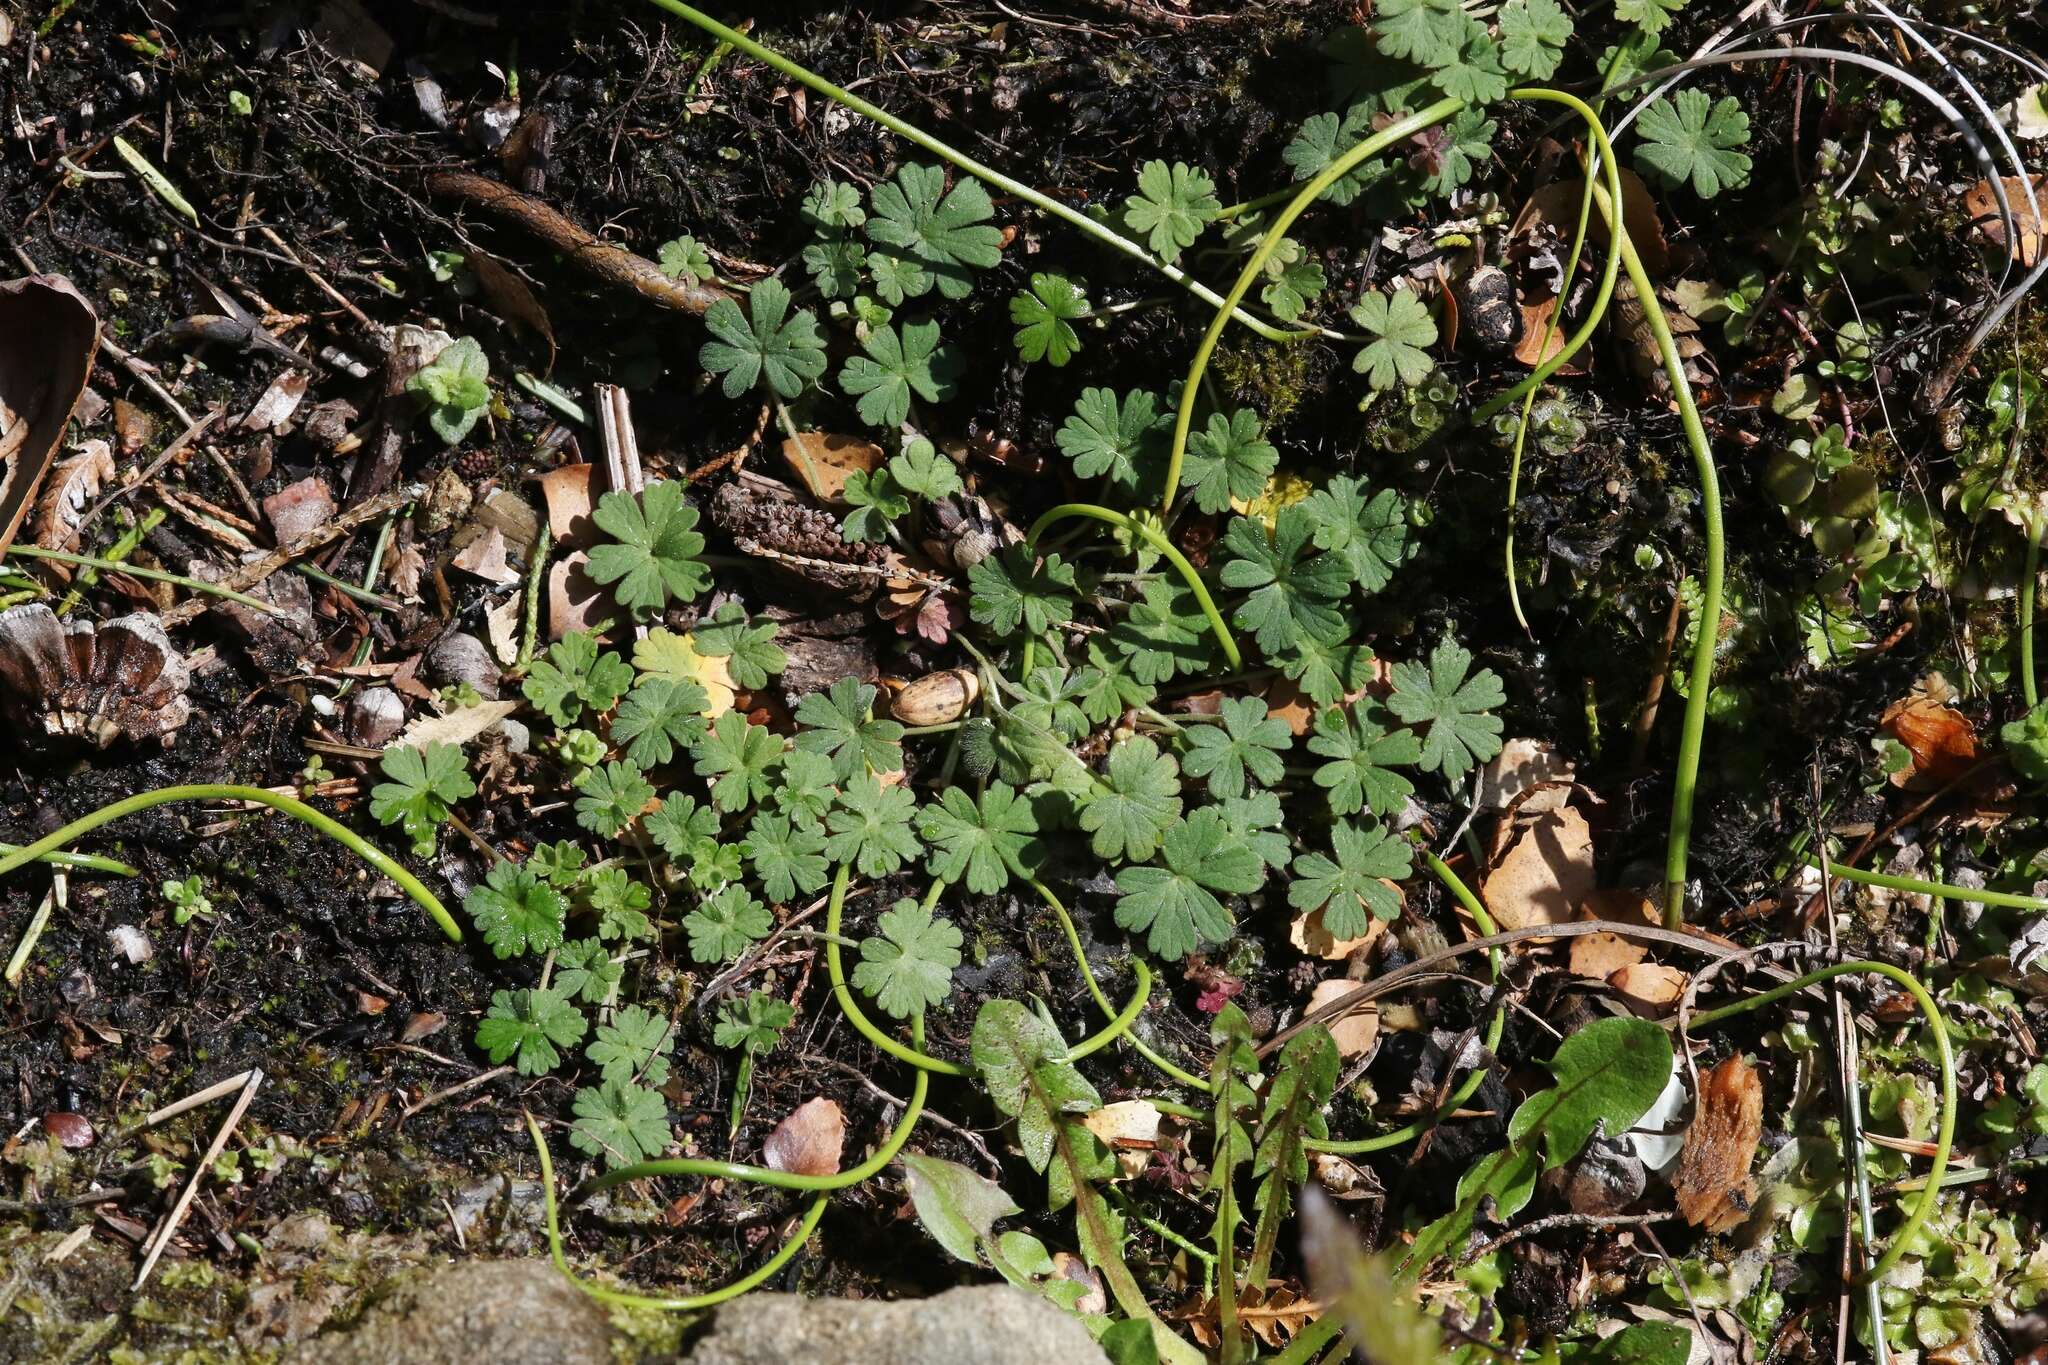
937	698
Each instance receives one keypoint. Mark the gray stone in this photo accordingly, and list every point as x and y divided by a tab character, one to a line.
501	1312
985	1325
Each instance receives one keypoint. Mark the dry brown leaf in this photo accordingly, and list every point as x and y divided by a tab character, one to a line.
1981	203
72	485
1520	765
1277	1315
1649	989
1311	939
512	300
484	556
1533	349
575	600
501	625
1599	956
568	496
48	337
832	459
809	1141
1715	1189
1556	205
1545	874
1939	738
1354	1033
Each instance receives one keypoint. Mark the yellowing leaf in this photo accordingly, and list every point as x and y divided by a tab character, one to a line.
1282	490
667	655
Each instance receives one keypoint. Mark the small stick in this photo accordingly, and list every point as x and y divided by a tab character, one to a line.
1646	719
606	260
178	1211
254	572
193	1101
170	452
1564	1220
439	1095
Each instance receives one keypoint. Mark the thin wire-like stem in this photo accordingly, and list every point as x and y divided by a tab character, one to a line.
90	861
1102	1001
137	571
1152	536
835	971
1427	117
1939	890
2029	687
1101	232
377	858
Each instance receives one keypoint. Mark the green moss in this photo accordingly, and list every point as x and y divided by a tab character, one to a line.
1272	377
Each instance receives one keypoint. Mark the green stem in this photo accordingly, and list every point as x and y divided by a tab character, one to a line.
1102	1001
835	969
1571	269
2028	687
153	575
1101	232
1152	536
1944	1133
1940	890
85	860
782	1180
1686	778
377	858
1253	268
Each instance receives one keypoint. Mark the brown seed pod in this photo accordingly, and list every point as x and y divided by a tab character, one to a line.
937	697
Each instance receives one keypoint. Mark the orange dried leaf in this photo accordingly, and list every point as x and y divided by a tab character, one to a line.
809	1141
1715	1190
1939	738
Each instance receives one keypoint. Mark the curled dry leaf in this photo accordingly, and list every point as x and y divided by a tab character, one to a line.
122	679
1556	206
1939	739
1355	1032
72	485
1520	765
568	496
825	460
1650	989
1981	203
1599	956
1715	1189
1127	1123
1311	939
1342	1179
809	1141
1545	873
48	337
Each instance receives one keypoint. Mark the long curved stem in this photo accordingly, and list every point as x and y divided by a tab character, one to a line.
376	857
1945	1128
835	971
1185	1077
1605	153
198	585
1685	779
1152	536
1428	116
1101	232
2028	686
1939	890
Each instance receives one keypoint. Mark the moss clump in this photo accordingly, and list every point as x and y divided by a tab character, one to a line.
1273	378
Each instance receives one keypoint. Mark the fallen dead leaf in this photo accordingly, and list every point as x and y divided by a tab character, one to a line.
1072	1267
1714	1187
1520	765
48	337
567	494
459	726
1649	989
501	625
575	600
1276	1315
485	557
1342	1179
1556	206
512	300
1982	205
72	485
1940	739
832	459
1127	1123
1311	939
809	1141
1354	1033
1599	956
278	402
1545	874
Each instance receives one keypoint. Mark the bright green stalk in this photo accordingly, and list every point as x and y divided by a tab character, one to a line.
1944	1133
1101	232
86	860
1185	1077
1386	137
1940	890
1686	779
377	858
137	571
1571	269
1152	536
2028	687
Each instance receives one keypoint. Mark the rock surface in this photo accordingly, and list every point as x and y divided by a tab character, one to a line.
501	1312
985	1324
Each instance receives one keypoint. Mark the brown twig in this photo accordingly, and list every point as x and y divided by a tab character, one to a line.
254	572
1564	1220
607	260
1646	719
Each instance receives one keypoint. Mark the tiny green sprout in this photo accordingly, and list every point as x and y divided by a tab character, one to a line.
454	388
188	898
579	749
240	103
423	788
754	1026
685	259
